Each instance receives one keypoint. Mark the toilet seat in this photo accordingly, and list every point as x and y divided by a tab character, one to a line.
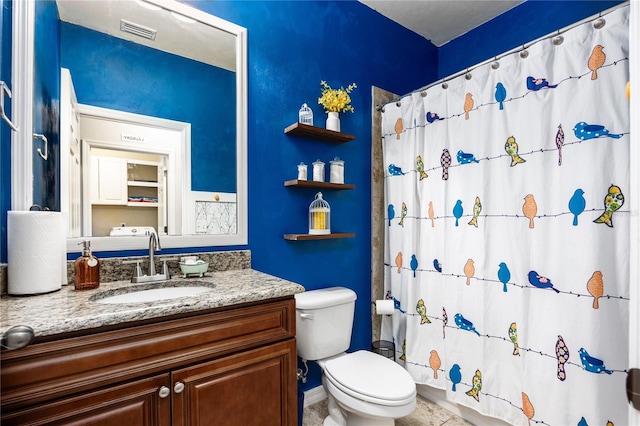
371	377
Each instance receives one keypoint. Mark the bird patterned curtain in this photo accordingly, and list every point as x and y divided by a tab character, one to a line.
507	237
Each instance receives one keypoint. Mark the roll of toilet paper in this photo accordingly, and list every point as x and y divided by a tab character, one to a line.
384	307
35	251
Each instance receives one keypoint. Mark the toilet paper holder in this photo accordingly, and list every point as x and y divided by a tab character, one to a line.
387	310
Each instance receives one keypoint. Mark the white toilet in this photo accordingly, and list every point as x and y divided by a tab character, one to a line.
363	388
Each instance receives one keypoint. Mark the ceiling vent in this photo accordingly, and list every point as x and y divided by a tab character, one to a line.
139	30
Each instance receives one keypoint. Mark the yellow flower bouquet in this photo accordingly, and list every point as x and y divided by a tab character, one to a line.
336	100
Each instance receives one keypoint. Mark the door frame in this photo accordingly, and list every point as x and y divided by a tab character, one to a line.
23	33
178	160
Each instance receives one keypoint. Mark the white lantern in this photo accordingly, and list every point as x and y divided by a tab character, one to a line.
319	216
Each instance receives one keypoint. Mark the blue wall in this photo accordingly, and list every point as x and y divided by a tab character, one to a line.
46	105
126	76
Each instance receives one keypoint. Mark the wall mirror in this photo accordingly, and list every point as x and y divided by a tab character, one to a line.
154	147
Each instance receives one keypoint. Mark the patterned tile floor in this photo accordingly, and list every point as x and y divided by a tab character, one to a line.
426	414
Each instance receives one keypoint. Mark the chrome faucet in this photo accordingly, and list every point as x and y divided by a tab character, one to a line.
154	244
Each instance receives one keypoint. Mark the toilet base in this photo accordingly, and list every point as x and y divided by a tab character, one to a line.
336	415
341	416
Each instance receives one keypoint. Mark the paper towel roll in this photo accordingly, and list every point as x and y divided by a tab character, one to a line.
65	220
35	251
384	307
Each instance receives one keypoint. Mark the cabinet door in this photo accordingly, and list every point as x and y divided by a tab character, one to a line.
110	185
137	403
252	388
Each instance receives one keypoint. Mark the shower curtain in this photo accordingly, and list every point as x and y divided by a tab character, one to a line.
507	232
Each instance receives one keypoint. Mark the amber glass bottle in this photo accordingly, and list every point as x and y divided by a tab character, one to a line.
87	269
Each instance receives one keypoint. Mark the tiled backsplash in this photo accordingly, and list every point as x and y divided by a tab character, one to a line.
114	269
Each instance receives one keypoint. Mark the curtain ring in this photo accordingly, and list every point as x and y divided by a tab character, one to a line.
495	65
445	85
599	23
398	103
524	53
423	93
557	40
468	75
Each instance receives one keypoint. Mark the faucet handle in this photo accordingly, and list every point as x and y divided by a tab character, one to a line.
137	272
165	269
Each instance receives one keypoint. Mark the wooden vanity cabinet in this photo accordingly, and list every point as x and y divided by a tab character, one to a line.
232	367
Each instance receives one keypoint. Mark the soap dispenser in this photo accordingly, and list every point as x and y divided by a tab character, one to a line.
87	269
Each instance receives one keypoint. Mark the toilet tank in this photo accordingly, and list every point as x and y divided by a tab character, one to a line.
324	320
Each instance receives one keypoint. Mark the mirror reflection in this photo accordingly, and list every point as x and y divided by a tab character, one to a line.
150	95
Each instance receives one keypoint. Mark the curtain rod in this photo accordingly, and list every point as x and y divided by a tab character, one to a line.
599	22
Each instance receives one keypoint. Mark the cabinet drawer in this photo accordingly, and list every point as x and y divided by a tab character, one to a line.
64	367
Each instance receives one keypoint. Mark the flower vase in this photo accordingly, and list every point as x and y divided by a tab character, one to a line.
333	121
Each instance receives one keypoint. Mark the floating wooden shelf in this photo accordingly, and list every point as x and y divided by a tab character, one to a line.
303	237
314	184
313	132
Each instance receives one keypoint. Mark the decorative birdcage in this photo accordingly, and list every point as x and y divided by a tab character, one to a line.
319	216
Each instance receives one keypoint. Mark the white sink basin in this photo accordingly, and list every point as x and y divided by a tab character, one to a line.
152	293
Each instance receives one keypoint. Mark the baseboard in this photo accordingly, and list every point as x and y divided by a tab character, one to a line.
438	396
314	395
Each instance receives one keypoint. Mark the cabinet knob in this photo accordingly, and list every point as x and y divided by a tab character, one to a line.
164	392
178	387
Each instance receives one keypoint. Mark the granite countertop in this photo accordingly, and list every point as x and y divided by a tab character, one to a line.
70	310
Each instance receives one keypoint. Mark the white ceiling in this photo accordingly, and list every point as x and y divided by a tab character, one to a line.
440	21
216	46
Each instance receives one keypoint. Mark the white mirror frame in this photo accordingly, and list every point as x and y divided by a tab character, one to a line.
22	143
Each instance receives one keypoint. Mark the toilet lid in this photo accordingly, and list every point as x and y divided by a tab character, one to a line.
364	373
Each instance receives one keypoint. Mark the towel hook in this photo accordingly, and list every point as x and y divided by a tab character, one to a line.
44	156
5	90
